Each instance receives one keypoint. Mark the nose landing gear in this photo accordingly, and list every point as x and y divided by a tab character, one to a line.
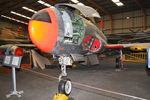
65	85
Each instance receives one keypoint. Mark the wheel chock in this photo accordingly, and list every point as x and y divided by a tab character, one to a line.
59	96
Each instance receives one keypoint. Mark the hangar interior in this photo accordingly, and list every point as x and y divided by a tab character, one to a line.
108	72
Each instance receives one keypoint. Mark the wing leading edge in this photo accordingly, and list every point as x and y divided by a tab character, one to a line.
115	46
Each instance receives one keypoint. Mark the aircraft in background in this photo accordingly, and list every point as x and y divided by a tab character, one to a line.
64	32
12	43
132	37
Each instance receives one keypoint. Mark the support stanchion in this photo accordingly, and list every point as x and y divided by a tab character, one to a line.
14	92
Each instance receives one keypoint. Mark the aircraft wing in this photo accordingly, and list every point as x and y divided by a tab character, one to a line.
17	42
111	46
14	41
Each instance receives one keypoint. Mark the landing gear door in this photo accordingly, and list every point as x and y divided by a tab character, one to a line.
67	24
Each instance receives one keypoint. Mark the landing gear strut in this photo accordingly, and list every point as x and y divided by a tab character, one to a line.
65	85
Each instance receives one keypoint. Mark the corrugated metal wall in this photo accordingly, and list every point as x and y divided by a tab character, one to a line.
124	22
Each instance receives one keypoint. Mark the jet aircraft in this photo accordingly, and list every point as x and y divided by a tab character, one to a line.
67	35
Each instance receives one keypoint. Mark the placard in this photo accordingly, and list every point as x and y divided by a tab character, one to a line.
12	61
16	60
7	60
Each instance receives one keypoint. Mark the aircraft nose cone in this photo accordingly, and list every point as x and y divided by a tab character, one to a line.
43	29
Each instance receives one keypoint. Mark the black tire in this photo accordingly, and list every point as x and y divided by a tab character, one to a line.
63	84
118	63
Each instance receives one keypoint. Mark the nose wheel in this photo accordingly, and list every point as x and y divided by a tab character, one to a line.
65	87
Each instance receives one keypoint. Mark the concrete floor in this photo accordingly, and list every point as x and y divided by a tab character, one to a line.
133	81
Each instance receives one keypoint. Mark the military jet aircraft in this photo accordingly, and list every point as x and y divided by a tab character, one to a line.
67	35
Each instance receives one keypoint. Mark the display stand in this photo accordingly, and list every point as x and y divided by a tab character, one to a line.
14	92
13	62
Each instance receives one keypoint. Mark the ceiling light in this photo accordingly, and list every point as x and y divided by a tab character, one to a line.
119	4
75	1
48	5
41	2
81	4
15	13
13	19
28	9
127	17
44	3
115	1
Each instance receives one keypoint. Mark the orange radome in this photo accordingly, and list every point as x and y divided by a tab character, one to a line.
44	34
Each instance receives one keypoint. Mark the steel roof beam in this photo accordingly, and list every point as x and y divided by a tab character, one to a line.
51	1
25	4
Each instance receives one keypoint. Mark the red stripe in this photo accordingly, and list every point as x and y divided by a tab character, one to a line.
101	24
114	47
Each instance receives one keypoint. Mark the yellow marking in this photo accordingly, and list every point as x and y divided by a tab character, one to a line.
60	97
138	48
